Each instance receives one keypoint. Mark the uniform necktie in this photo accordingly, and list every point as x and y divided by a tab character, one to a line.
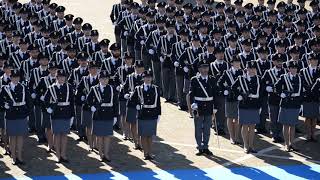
313	72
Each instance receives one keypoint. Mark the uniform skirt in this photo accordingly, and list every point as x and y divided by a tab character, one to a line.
310	109
288	117
86	119
1	119
231	110
45	120
17	127
60	126
131	115
249	116
122	108
102	127
147	127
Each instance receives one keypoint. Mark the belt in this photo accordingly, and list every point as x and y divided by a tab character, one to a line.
63	103
149	106
19	104
106	105
203	98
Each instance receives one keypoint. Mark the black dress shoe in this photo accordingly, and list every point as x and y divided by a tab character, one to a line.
116	128
14	162
199	153
41	140
106	160
207	152
148	157
80	139
64	160
19	162
293	149
252	151
221	132
262	131
137	147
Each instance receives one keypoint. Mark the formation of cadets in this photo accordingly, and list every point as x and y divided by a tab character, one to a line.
230	65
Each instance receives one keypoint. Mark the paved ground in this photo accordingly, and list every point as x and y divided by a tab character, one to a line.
174	147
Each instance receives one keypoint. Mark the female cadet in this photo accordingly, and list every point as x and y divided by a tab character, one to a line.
15	98
82	91
310	104
132	81
120	76
59	100
103	102
41	89
227	79
147	100
290	88
248	89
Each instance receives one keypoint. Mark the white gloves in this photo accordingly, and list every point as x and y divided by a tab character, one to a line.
240	98
142	42
42	98
118	88
33	95
161	59
138	107
194	106
126	33
186	69
127	96
151	51
226	92
215	111
115	120
176	64
283	95
49	110
83	98
269	89
158	119
6	106
253	96
93	109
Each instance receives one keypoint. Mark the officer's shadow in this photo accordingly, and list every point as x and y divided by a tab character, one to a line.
3	167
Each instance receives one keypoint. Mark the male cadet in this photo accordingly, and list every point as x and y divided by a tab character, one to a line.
74	79
60	21
104	53
44	40
45	10
151	45
269	79
35	33
61	53
86	28
112	63
21	55
48	20
177	50
116	10
77	33
93	46
36	74
164	50
141	37
70	63
247	53
53	46
216	69
68	28
263	64
135	28
202	92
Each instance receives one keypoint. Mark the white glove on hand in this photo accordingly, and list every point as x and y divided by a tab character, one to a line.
215	111
226	92
126	33
158	119
194	106
127	96
93	109
142	42
33	95
161	59
240	98
83	98
176	64
118	88
138	107
186	69
151	51
49	110
269	89
6	106
42	98
115	120
283	95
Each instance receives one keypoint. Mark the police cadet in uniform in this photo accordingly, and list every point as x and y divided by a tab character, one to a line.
146	97
103	102
15	98
59	101
310	106
248	90
202	91
132	81
40	90
225	83
290	88
82	92
93	45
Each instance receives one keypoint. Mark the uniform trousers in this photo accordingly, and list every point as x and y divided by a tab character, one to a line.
275	126
179	90
123	47
202	125
263	114
168	81
156	69
79	126
39	128
220	115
